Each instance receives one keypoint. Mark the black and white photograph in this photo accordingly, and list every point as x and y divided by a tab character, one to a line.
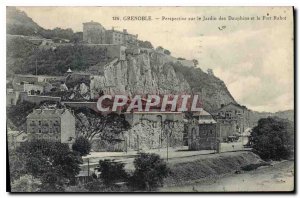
195	99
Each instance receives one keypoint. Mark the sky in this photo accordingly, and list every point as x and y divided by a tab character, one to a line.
253	57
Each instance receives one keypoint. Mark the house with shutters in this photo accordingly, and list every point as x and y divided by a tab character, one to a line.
51	124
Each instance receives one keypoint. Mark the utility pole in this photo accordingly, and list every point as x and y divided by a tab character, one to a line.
88	167
36	67
167	145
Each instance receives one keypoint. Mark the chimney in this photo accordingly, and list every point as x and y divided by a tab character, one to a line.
112	28
125	31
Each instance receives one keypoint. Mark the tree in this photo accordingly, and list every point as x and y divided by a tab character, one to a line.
195	62
106	127
150	170
51	162
270	139
26	183
112	171
167	52
82	145
145	44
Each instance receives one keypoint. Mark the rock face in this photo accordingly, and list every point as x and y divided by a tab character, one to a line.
140	74
155	73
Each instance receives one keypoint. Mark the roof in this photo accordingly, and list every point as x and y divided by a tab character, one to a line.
201	113
207	121
204	117
47	113
235	104
92	23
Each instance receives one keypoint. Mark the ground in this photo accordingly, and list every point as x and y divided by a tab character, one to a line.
279	177
175	155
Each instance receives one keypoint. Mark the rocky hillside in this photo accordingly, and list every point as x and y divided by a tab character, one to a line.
145	73
153	74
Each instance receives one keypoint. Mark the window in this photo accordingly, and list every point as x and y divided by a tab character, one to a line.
40	131
40	122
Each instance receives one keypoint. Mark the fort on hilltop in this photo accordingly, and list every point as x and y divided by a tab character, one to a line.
95	33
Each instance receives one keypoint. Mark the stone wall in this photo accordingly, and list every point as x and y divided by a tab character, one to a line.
233	146
151	132
37	99
202	137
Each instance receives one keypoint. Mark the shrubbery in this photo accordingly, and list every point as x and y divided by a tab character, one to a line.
82	145
272	138
150	170
112	172
52	163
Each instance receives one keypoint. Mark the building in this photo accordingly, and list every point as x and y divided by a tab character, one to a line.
15	138
95	33
12	97
51	124
34	84
120	37
202	132
233	120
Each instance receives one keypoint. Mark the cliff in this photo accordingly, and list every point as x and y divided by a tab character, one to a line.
144	73
153	74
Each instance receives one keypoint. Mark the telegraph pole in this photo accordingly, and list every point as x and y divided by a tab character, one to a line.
88	167
167	145
36	67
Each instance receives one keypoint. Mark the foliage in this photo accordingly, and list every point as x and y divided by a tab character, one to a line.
82	145
17	114
145	44
251	167
107	127
195	62
167	52
17	167
112	171
18	23
26	183
271	138
52	162
150	170
54	61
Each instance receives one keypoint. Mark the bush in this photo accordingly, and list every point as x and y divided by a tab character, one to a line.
149	172
51	162
270	139
167	52
112	172
251	167
26	183
82	145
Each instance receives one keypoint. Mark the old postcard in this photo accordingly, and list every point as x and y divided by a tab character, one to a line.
150	99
